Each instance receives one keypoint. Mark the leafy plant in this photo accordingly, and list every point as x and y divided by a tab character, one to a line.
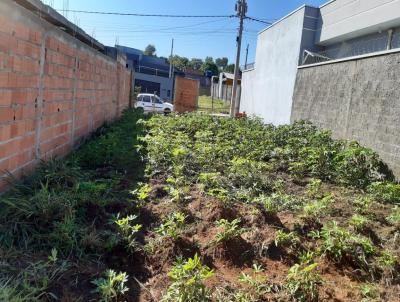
172	225
338	243
359	222
387	260
314	188
302	282
314	210
228	230
111	286
129	230
187	281
143	192
290	239
356	165
394	217
268	203
363	204
258	284
369	292
385	191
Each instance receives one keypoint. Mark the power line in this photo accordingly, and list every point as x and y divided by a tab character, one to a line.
146	15
258	20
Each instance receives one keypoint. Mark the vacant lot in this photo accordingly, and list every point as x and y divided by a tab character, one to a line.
200	208
206	104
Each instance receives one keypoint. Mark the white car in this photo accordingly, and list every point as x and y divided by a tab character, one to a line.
153	103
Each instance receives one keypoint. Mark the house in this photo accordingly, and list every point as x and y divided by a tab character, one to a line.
337	30
222	86
151	74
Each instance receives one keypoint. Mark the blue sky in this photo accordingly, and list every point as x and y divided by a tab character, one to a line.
194	38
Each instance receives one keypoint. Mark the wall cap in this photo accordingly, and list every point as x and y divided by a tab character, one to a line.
354	58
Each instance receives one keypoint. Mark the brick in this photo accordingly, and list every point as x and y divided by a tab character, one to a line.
5	98
21	31
35	36
24	96
28	49
26	65
4	79
7	43
7	114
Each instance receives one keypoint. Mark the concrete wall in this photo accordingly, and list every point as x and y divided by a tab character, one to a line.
341	20
357	99
268	89
54	90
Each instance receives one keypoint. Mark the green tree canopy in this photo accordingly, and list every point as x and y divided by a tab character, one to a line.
179	62
222	62
195	63
210	66
230	68
150	50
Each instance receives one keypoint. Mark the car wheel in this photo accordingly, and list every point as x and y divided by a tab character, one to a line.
167	111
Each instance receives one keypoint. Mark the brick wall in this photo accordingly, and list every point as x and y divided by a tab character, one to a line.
357	99
54	90
186	94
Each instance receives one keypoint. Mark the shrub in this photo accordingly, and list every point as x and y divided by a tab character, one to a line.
290	239
314	210
363	204
369	293
394	217
339	243
110	287
359	222
314	188
187	281
387	192
302	282
128	230
268	203
172	225
228	230
356	165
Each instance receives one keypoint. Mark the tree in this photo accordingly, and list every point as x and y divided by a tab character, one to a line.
222	62
179	62
195	63
211	66
150	50
209	60
230	68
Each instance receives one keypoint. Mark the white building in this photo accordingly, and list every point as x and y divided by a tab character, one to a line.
338	29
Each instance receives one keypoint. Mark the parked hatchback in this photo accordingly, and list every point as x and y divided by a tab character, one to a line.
153	103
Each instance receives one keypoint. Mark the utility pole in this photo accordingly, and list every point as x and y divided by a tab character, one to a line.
241	10
247	56
170	60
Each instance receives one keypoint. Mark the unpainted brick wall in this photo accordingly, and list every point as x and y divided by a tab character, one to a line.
186	95
54	90
356	99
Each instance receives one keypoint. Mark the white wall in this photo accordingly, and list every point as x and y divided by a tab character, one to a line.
268	89
346	19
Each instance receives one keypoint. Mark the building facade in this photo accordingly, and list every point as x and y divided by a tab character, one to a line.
151	74
339	29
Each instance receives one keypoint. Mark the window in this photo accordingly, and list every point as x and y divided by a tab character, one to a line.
140	99
146	99
157	100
